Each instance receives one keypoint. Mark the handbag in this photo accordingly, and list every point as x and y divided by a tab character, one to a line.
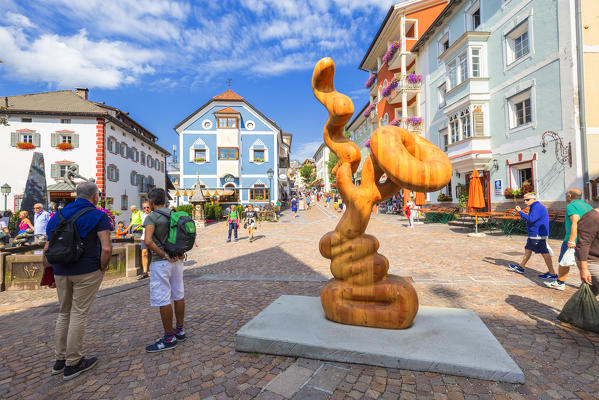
47	277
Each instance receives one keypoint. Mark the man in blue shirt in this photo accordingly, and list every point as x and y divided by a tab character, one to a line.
40	220
77	283
537	225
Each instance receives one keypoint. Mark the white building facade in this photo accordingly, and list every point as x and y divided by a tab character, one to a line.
102	143
321	160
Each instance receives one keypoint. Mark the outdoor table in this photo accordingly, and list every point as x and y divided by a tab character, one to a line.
510	223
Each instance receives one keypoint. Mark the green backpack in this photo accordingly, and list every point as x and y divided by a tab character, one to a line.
182	233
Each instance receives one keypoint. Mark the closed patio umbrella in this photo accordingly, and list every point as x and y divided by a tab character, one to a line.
419	201
476	197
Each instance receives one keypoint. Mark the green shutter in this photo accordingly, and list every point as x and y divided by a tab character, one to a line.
54	139
116	174
36	139
54	171
75	140
14	136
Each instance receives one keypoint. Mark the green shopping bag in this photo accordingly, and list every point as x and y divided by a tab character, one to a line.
582	310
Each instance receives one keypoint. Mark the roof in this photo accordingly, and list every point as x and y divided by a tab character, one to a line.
227	110
358	115
228	95
433	27
60	187
62	101
237	98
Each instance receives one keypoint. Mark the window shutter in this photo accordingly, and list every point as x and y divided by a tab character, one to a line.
75	140
54	171
13	139
479	124
191	153
36	139
116	174
54	139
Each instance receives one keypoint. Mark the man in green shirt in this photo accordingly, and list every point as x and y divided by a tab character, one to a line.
575	209
135	226
232	222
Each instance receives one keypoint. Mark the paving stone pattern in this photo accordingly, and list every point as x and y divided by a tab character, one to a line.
227	284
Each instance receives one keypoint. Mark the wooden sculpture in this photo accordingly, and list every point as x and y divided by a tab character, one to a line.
361	292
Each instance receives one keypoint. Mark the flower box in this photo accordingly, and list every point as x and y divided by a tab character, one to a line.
370	81
391	51
258	160
64	146
444	197
414	121
25	146
389	88
414	78
199	160
396	122
368	110
513	193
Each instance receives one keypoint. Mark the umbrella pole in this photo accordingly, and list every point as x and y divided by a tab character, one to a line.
476	223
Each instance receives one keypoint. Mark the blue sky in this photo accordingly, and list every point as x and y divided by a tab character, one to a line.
160	60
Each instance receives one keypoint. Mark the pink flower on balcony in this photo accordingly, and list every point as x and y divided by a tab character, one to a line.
414	121
389	88
367	143
396	122
391	51
414	78
370	81
368	110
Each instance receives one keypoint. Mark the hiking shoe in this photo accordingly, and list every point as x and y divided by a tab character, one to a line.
548	276
180	335
74	371
143	276
58	367
555	285
161	345
516	268
228	240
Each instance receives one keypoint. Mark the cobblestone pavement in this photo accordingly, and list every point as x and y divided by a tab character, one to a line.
227	284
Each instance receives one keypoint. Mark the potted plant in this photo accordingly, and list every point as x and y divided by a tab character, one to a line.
199	160
368	110
64	146
444	197
25	146
391	51
389	88
258	160
370	81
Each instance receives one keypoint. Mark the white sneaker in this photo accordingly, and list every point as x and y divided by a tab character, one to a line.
555	285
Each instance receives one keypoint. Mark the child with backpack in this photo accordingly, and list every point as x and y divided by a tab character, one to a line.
168	235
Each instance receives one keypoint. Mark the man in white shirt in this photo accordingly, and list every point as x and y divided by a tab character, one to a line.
40	221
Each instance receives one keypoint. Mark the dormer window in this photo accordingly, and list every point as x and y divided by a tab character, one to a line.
227	122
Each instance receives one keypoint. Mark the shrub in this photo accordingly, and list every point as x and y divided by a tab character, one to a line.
188	208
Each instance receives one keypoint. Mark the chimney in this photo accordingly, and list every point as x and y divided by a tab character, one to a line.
82	92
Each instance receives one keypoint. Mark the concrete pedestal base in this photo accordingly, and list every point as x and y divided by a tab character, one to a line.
477	234
446	340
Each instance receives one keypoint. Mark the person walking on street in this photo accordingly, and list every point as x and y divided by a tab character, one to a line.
166	281
250	220
145	253
294	207
307	202
135	226
537	225
232	222
40	221
587	249
328	201
409	213
575	209
77	283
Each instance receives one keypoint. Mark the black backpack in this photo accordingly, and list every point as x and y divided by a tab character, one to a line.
181	234
65	245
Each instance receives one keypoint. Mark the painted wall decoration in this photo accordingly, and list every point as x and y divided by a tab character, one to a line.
361	292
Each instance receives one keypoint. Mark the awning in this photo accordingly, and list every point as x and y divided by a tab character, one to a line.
60	187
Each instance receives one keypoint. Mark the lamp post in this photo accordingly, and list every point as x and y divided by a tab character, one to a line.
5	191
270	173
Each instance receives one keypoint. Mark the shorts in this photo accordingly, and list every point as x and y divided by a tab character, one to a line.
539	246
166	282
562	251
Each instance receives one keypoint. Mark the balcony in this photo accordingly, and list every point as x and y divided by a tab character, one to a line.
410	84
471	153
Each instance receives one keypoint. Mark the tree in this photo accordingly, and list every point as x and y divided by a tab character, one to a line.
307	173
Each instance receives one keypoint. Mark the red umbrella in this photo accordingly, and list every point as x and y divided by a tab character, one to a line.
476	197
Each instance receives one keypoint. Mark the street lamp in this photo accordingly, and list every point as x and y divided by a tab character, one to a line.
270	173
5	191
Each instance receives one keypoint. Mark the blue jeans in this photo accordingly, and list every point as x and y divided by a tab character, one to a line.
233	226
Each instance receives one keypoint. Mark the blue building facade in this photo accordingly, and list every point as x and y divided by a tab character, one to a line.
229	147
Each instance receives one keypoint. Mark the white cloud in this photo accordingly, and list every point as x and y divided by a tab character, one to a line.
18	20
70	61
305	150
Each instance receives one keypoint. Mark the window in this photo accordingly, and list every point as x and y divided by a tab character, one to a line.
66	139
453	75
112	173
442	93
258	155
65	121
143	158
524	176
520	109
149	161
135	154
134	178
26	138
26	120
110	144
443	139
517	42
475	18
444	43
117	147
475	63
258	193
465	120
58	171
227	122
124	149
199	155
463	60
454	129
124	202
227	153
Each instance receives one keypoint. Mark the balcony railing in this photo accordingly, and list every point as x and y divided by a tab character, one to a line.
407	83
